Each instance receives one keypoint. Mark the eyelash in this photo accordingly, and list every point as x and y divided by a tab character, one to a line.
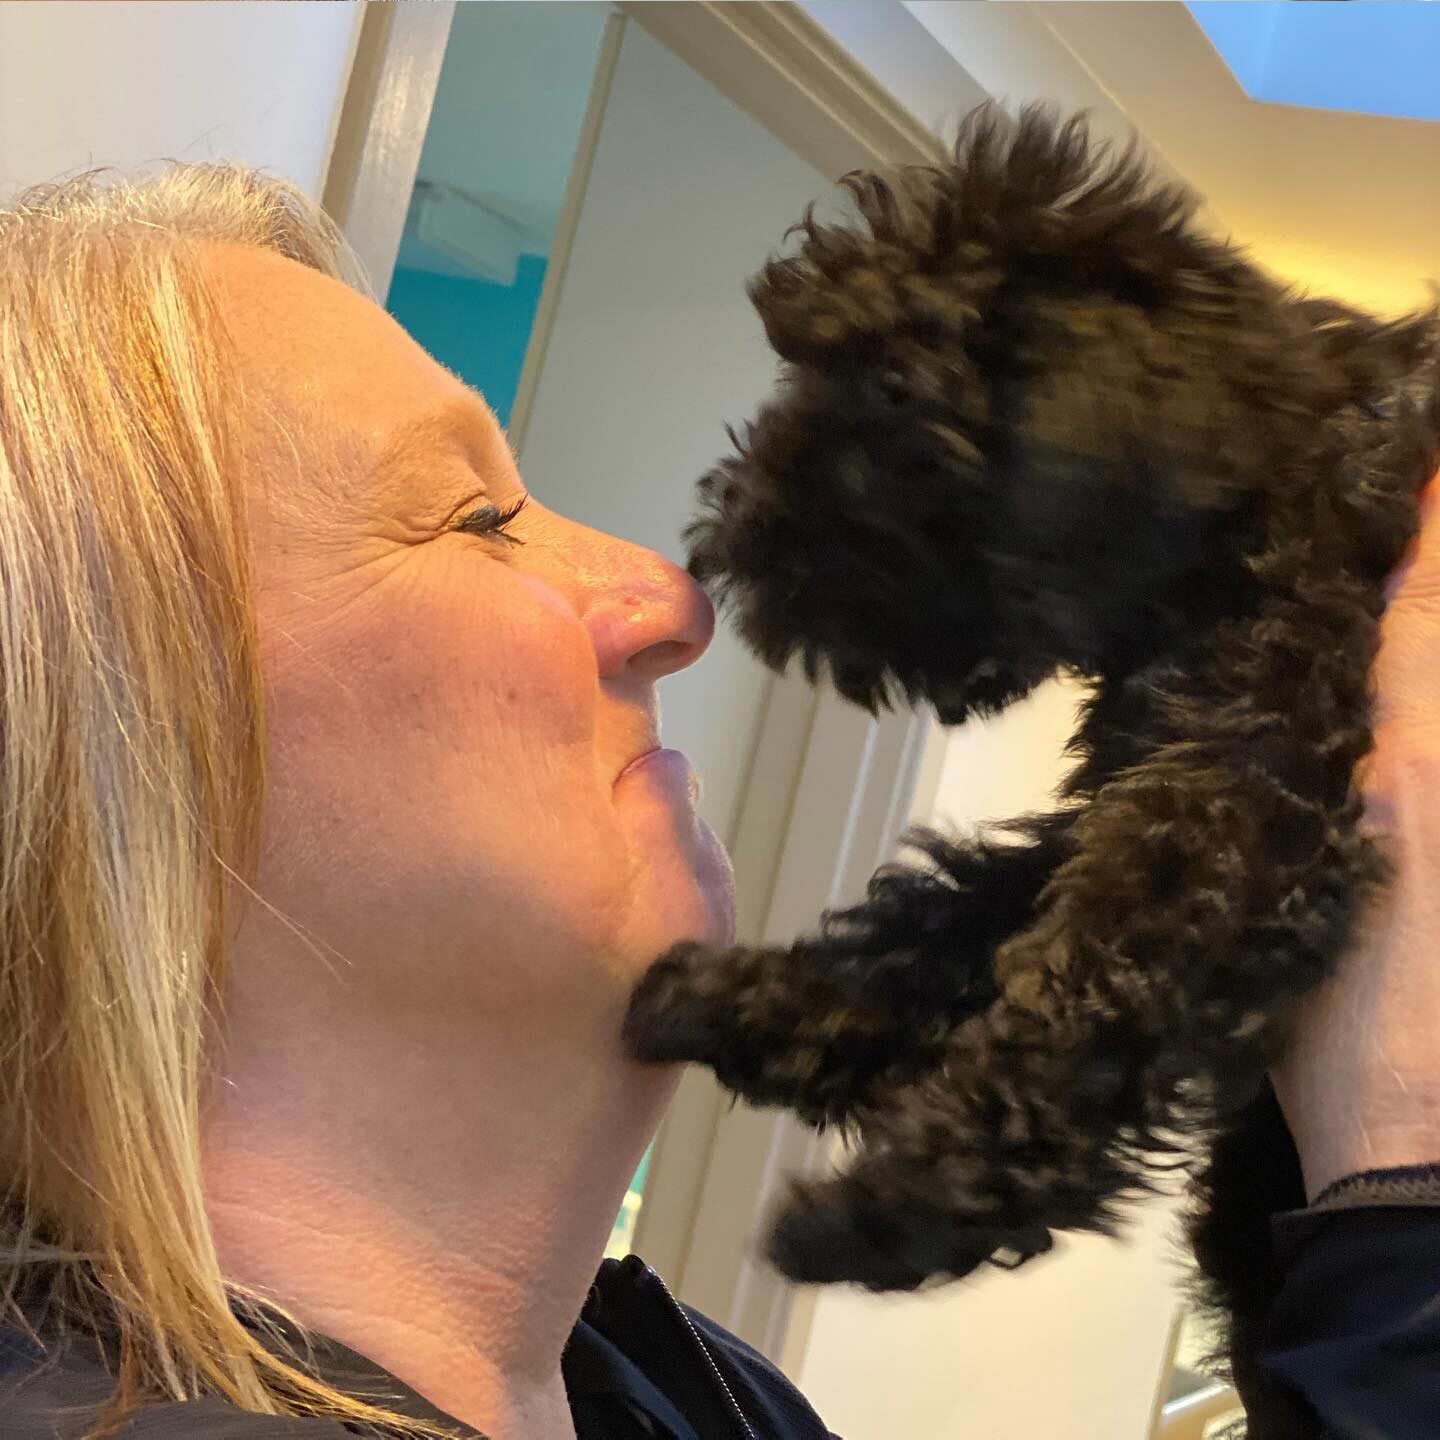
490	520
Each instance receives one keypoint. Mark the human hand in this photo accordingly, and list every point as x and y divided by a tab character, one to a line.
1360	1083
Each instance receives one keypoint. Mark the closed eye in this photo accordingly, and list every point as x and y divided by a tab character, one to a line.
893	387
491	520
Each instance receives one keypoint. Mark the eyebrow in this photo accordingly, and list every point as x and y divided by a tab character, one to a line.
467	418
465	426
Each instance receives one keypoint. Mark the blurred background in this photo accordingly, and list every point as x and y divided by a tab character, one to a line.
562	201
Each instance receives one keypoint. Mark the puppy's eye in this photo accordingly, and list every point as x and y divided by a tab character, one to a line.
893	387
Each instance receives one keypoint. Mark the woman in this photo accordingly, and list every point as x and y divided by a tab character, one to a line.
411	1122
344	1041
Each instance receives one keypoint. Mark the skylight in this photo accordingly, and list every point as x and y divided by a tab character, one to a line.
1379	57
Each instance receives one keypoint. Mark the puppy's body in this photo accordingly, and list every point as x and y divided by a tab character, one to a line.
1033	421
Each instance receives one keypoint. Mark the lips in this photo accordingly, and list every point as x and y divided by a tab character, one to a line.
670	768
638	760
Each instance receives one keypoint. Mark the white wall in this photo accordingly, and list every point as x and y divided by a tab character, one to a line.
1014	57
127	84
1072	1346
1069	1348
655	346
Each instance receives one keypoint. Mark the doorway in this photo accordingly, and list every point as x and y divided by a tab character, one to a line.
689	137
584	214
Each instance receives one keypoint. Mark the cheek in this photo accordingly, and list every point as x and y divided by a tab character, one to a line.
434	676
433	773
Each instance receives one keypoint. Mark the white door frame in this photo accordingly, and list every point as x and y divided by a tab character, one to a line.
789	72
829	788
382	125
849	801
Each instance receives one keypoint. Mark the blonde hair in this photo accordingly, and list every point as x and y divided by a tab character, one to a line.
131	767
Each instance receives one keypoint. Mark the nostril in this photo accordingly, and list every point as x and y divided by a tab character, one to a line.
893	387
665	657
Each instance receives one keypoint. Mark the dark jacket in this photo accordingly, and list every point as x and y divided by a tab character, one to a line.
639	1366
1356	1328
1356	1331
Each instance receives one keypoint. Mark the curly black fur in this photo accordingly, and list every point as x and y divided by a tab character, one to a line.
1034	421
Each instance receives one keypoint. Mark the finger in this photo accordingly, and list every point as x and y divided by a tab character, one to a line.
1420	566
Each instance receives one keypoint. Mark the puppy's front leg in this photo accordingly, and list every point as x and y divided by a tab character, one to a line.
814	1026
1206	894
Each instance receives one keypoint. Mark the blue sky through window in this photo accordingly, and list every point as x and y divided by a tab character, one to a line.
1376	57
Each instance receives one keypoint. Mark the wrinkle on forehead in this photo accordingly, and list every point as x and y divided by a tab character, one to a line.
463	430
339	407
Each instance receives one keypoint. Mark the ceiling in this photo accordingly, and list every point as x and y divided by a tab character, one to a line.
1345	203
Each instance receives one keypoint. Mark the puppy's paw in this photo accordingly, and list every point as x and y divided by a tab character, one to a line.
676	1014
778	1026
833	1232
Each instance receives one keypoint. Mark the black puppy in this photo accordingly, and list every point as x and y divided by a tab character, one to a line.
1032	421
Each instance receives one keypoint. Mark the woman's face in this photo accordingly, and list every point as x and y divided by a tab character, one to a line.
466	806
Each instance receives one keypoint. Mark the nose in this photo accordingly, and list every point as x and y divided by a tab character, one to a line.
646	617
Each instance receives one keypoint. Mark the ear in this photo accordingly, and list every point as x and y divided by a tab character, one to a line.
799	325
833	295
849	282
1371	355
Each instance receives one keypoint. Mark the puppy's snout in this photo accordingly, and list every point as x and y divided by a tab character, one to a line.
704	564
725	539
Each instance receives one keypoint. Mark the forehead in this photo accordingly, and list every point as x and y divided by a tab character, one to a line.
313	350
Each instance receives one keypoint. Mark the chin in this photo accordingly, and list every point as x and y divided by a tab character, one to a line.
700	904
685	888
688	897
714	880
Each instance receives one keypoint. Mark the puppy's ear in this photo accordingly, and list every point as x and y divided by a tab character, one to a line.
845	284
1371	356
831	296
799	324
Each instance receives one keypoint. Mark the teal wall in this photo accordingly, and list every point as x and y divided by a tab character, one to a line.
509	106
474	327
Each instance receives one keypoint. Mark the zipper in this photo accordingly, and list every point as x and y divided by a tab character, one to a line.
704	1350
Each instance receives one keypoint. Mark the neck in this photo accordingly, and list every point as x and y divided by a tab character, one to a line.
438	1203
